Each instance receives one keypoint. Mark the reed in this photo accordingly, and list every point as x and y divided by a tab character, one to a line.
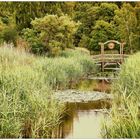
125	113
68	69
27	108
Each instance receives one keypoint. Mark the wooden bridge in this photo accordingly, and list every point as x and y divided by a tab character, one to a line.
109	61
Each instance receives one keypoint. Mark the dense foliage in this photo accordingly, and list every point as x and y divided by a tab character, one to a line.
52	32
28	108
67	70
61	29
53	26
125	114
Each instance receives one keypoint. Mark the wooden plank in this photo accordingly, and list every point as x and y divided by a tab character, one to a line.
102	78
112	68
113	61
110	55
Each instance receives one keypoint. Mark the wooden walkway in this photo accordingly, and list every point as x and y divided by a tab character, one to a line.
102	78
109	57
109	61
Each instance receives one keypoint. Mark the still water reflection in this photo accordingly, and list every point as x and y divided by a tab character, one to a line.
83	120
86	124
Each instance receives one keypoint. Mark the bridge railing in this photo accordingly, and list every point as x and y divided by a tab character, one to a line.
104	57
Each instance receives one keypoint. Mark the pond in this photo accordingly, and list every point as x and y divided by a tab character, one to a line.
85	119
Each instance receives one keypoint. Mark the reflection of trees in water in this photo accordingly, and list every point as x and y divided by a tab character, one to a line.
66	128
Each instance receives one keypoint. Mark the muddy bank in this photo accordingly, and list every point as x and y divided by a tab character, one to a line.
81	96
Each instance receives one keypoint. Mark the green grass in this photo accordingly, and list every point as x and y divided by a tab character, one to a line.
62	72
27	107
125	113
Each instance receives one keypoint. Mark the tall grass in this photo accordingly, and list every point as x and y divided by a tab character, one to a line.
125	114
68	69
27	108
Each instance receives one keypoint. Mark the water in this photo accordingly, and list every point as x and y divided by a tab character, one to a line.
85	124
83	120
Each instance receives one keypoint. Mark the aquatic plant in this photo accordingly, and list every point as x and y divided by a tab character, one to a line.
63	71
27	108
125	121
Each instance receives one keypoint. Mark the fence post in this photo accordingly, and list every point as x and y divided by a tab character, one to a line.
102	56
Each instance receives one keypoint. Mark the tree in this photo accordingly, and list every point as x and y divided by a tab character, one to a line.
54	32
106	11
95	19
8	32
32	37
24	12
127	25
137	11
101	32
123	17
68	8
9	35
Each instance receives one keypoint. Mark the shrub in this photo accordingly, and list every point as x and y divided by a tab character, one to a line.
9	35
5	20
54	32
32	38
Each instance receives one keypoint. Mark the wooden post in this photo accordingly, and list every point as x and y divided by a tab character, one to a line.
103	86
122	49
102	56
121	57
